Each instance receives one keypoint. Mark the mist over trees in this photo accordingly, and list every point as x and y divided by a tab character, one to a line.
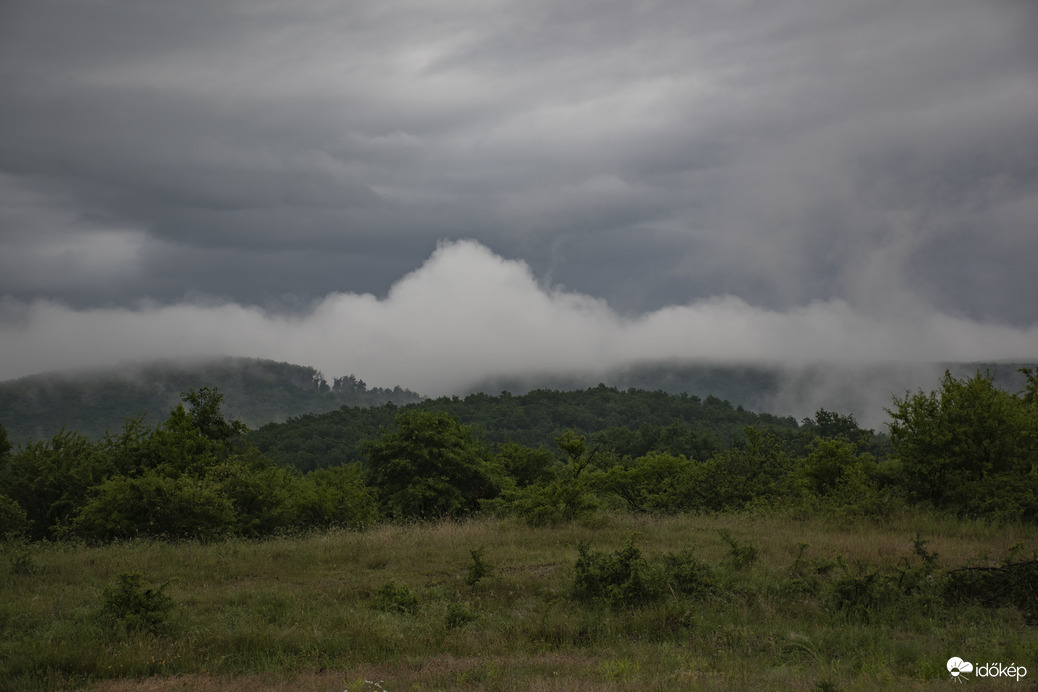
968	448
255	392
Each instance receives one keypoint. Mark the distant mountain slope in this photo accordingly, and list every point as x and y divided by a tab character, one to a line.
255	392
861	390
533	419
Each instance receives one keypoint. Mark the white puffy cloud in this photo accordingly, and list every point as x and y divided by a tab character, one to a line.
468	314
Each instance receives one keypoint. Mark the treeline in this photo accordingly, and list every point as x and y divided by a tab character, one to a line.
630	422
968	448
255	391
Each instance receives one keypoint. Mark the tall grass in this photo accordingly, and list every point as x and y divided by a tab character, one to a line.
308	612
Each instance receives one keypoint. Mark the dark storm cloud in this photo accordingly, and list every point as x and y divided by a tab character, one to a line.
876	158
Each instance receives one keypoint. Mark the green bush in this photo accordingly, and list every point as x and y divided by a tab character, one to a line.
130	606
14	521
478	570
566	497
970	447
430	467
334	496
739	556
260	493
623	579
396	597
154	505
687	575
656	482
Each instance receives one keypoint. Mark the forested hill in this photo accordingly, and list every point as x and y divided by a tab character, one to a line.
627	422
255	392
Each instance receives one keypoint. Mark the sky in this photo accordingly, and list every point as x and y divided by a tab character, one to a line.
429	193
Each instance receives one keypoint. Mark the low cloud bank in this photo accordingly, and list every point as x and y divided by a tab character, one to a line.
467	315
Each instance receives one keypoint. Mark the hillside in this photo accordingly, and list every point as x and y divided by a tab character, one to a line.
861	390
258	392
255	392
625	421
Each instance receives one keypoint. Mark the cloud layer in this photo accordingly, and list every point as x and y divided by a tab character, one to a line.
812	159
467	315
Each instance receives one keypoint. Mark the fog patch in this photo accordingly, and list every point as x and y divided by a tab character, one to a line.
468	315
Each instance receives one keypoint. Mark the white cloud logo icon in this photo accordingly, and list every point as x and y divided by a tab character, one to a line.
956	666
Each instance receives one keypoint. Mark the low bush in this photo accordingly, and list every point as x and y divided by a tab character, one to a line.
132	607
393	597
623	579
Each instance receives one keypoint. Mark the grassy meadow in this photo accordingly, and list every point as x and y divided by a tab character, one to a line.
769	602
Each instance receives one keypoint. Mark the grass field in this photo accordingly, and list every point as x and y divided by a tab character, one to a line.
785	604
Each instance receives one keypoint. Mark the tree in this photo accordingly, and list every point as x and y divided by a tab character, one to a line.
431	466
206	415
50	479
5	445
969	446
155	505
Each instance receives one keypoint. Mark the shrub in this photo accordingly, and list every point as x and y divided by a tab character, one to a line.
565	498
154	505
970	447
623	579
396	597
432	466
13	520
132	607
1011	584
478	570
335	496
656	482
740	556
458	615
687	575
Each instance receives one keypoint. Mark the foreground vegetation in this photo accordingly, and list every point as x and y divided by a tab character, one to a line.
675	554
615	602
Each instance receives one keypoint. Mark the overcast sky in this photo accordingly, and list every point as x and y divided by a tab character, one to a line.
426	193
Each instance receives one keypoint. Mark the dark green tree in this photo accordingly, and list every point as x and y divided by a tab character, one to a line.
155	505
970	447
206	415
5	445
431	466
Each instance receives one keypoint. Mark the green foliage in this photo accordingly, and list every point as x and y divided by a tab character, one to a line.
566	497
731	480
740	556
431	466
261	494
623	579
5	445
458	615
657	482
130	606
392	596
50	480
206	416
1010	585
630	423
155	505
478	570
334	496
970	447
526	466
14	522
257	391
687	575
